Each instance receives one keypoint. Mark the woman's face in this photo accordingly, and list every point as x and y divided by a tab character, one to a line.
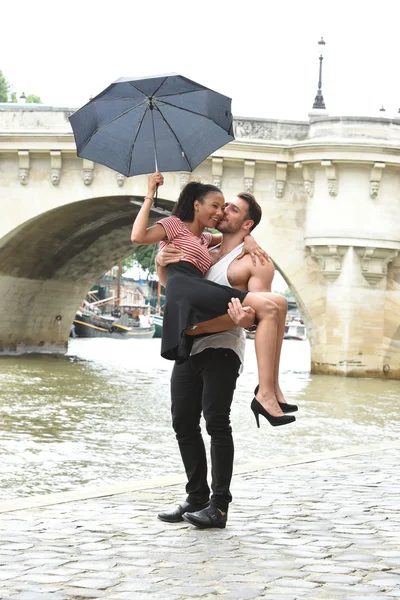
211	211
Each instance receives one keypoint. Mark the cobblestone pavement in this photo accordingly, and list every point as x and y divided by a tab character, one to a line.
322	530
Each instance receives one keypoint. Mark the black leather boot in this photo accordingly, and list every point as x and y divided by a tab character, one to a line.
176	514
207	518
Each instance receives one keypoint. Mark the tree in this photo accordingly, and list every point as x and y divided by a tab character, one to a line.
4	87
144	256
33	99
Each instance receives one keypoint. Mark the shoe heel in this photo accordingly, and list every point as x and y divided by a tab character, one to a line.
257	418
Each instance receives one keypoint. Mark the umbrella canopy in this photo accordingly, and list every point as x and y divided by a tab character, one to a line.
164	123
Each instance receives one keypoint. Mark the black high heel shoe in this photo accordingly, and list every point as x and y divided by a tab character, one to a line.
285	406
258	410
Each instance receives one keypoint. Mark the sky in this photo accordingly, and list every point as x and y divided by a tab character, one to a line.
263	54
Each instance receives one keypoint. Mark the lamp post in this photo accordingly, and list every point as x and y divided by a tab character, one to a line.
319	99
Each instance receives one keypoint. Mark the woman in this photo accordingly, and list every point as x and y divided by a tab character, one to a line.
195	306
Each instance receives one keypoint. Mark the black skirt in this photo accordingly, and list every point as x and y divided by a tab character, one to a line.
189	300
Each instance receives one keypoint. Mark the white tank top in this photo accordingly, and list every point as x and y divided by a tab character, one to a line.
235	338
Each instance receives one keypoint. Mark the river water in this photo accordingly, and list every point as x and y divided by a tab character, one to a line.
101	415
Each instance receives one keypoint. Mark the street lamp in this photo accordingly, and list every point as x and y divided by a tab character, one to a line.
319	99
22	98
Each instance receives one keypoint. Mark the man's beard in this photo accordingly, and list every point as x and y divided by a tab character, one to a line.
227	227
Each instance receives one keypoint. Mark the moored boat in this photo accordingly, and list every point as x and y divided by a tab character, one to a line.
158	324
295	330
88	324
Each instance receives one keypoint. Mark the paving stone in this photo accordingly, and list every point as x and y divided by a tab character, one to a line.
243	592
40	596
134	586
298	583
91	565
93	583
128	596
335	578
43	578
327	568
385	579
80	593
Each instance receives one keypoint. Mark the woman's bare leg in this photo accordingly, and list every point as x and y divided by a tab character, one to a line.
282	305
266	341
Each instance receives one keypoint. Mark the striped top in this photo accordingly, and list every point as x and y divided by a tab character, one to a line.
195	248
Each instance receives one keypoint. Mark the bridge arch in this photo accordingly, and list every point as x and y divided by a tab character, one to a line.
48	263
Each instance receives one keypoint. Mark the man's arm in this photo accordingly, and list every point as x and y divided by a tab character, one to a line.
167	256
260	280
261	277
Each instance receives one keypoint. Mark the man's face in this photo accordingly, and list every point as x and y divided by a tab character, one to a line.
235	215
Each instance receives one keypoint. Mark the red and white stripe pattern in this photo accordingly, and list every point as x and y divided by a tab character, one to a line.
195	249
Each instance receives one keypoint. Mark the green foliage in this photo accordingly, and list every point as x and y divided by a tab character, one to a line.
144	256
5	91
33	99
4	87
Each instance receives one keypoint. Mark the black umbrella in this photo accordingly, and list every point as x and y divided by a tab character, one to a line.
164	123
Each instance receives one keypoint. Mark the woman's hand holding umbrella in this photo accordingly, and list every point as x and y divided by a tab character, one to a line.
153	183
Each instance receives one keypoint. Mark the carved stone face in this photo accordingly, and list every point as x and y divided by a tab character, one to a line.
373	189
55	176
248	184
23	176
332	187
87	176
217	180
309	187
279	189
120	179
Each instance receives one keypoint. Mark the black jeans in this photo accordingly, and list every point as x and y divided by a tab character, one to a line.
205	383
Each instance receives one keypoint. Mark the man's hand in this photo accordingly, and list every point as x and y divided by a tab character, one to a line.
168	255
242	316
256	252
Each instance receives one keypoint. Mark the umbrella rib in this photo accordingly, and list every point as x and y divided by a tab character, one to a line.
115	99
108	122
135	138
177	140
193	112
182	93
147	95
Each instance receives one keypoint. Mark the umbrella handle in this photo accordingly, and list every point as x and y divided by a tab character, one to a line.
155	198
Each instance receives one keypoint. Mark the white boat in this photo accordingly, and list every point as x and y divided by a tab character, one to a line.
295	330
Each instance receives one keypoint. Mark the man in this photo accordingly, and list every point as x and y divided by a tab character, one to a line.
206	382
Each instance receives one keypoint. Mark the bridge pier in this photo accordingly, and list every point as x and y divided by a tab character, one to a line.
36	315
355	323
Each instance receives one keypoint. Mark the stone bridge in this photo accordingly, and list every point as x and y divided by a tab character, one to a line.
330	192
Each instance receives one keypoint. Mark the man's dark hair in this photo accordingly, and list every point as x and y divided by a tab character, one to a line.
184	207
254	211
